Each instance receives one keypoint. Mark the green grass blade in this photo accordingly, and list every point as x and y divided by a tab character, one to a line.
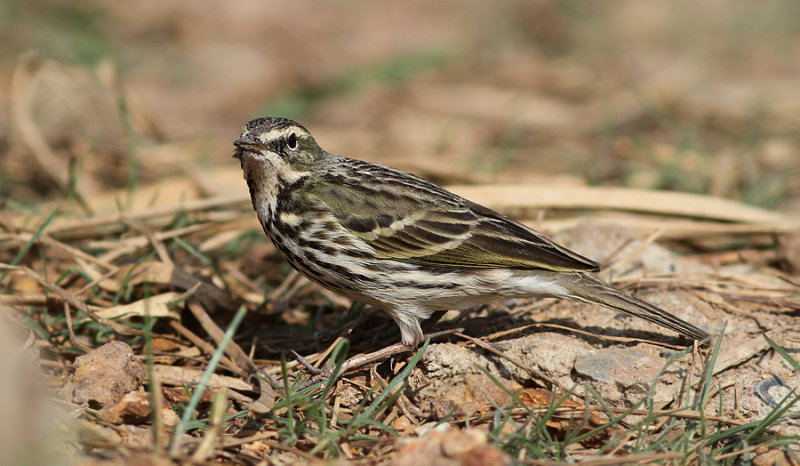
201	386
27	246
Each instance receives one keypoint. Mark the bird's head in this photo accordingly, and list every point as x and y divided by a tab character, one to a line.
282	143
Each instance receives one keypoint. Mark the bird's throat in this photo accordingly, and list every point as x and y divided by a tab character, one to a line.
263	183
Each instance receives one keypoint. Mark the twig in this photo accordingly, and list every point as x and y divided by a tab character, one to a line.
678	414
163	210
157	396
72	338
233	350
206	347
180	429
265	438
504	333
612	263
151	237
72	300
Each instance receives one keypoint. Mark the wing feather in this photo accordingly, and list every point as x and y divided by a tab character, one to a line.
421	223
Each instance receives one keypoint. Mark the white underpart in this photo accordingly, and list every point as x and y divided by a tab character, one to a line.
291	219
408	306
479	287
392	286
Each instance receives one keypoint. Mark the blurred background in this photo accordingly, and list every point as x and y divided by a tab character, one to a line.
114	106
701	97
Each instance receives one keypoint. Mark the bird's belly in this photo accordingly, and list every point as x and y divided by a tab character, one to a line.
466	287
348	269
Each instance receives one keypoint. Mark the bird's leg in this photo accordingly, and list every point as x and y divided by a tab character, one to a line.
356	362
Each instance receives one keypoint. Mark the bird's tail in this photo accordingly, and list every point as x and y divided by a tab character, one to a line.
585	288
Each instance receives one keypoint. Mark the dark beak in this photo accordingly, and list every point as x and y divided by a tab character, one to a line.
242	141
244	144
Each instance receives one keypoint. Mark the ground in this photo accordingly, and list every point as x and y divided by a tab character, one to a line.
659	139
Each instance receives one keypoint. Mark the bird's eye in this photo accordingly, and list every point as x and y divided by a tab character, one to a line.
291	141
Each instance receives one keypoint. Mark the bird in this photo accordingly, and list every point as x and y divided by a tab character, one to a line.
390	239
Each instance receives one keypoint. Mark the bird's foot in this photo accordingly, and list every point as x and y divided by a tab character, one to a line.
356	362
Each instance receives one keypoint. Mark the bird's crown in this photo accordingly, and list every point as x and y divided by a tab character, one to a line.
270	128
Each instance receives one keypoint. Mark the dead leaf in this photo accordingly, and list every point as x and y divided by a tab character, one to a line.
154	306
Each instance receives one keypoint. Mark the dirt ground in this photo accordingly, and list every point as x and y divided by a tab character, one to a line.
658	138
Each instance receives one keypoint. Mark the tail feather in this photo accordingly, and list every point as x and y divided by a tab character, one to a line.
585	288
